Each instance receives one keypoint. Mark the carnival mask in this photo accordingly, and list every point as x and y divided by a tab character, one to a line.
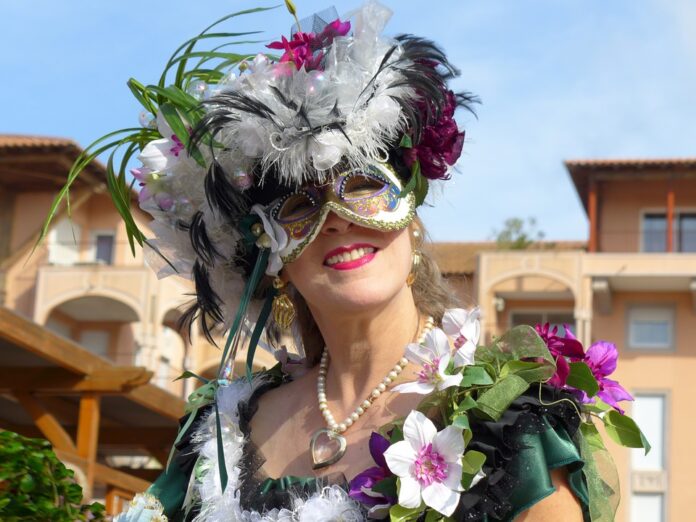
367	197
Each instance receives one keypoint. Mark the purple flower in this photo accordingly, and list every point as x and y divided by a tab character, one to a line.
305	49
601	358
441	143
361	486
560	348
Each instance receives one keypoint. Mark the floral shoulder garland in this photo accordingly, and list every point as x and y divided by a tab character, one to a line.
422	462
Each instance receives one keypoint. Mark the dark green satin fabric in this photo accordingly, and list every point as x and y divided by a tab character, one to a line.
541	453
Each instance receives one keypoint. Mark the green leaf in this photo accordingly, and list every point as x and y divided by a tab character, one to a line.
592	436
582	378
475	375
472	462
465	405
188	374
528	370
623	430
421	190
386	487
411	185
141	94
399	513
461	421
27	483
406	142
494	401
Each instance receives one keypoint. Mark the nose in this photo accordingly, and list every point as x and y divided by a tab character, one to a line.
334	224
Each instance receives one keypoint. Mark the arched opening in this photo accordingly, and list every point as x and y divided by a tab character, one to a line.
532	299
105	326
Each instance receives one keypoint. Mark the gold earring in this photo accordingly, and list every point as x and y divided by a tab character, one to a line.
283	309
415	261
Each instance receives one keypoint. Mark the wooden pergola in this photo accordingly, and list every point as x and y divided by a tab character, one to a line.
92	411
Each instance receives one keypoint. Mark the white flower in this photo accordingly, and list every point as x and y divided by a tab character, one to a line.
428	464
434	356
143	508
465	330
162	154
279	240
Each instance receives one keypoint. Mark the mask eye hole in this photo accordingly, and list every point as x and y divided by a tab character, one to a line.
296	206
360	185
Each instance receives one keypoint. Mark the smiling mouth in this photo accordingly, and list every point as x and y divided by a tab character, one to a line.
348	258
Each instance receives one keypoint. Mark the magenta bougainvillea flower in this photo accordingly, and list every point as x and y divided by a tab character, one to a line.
305	49
441	143
360	487
560	348
601	358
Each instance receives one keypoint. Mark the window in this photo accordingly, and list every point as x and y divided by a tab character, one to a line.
104	248
686	233
63	243
96	341
558	319
163	370
651	328
655	232
649	482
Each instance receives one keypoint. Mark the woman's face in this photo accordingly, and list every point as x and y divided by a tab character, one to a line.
351	269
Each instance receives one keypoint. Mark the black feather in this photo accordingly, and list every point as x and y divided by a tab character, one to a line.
200	241
222	195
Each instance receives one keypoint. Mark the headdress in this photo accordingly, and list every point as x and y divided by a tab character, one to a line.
236	140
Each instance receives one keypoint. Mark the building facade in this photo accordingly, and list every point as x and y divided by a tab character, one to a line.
83	281
632	283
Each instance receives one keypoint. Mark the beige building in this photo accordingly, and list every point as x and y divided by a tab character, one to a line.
632	283
83	282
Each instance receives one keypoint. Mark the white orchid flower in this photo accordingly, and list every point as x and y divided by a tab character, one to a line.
464	328
143	508
160	155
433	356
428	464
279	240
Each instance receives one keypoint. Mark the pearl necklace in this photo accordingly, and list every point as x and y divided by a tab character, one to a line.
327	445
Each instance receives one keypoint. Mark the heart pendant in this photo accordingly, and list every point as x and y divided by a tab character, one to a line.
326	447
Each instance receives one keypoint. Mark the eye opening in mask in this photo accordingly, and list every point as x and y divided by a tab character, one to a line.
295	206
360	185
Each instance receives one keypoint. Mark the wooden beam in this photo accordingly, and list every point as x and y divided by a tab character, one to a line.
88	436
592	213
36	339
58	381
104	474
155	440
46	423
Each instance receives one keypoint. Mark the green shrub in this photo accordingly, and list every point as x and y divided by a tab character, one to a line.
35	485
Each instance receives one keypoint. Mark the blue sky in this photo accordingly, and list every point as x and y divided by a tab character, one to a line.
559	79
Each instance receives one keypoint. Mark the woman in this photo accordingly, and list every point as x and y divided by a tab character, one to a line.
308	168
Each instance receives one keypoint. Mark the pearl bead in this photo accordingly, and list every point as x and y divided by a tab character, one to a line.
355	415
321	397
403	361
376	393
393	374
359	410
381	387
348	422
366	404
341	427
387	381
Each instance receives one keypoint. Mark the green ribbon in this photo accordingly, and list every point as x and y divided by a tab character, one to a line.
284	483
258	329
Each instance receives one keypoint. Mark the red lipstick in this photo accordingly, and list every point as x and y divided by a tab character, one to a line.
350	264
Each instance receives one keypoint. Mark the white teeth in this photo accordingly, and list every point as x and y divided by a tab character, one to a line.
354	254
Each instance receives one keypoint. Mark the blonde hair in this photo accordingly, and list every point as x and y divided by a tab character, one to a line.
431	294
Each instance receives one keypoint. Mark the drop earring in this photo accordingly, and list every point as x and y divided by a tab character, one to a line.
283	308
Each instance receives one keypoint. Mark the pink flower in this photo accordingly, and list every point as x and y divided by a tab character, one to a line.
601	358
560	348
305	49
